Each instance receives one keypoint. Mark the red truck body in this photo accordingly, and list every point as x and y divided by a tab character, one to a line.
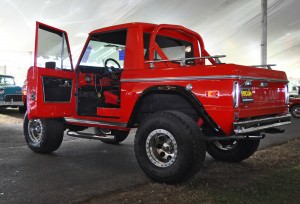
137	77
129	72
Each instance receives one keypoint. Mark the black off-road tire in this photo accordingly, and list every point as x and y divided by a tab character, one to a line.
188	140
47	137
293	111
118	136
233	150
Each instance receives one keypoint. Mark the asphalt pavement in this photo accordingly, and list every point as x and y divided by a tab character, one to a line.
78	170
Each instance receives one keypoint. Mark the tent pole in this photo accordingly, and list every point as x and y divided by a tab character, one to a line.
264	39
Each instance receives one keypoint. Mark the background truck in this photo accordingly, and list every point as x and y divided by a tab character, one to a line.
10	94
159	79
294	106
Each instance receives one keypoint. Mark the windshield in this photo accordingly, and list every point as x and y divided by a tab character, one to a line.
98	52
4	80
106	48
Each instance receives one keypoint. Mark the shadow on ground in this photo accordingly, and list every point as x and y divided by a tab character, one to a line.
12	112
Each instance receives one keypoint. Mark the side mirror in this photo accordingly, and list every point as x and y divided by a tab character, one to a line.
50	65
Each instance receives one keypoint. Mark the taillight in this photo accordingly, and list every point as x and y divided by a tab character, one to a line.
286	94
1	91
236	94
24	88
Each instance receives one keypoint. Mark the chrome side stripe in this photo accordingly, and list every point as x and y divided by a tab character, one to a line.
192	78
93	122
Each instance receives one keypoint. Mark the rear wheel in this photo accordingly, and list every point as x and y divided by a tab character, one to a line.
169	147
232	150
43	135
113	136
295	111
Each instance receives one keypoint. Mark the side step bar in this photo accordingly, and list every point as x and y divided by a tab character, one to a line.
88	135
236	137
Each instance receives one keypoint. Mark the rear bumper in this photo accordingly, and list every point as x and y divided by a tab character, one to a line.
256	125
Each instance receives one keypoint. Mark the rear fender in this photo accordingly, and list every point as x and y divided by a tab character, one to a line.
160	93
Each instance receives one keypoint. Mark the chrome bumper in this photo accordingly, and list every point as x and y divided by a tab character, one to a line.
255	125
11	103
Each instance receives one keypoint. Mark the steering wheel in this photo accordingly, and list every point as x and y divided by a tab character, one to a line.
113	60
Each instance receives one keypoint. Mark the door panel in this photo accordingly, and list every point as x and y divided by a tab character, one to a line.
51	84
57	89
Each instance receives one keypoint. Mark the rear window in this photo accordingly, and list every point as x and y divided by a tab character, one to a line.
173	48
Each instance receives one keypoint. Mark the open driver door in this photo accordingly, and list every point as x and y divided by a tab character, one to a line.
51	84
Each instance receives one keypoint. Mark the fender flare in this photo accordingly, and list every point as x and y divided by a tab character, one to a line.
178	90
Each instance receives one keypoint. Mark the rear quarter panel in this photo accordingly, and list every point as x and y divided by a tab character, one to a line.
267	101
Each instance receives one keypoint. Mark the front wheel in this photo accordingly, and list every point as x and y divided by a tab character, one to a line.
169	147
43	135
232	150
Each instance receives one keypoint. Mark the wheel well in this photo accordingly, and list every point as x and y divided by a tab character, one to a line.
177	98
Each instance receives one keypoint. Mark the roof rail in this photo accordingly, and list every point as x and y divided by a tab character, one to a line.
269	66
183	60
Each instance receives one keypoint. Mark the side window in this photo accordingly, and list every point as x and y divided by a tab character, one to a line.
52	49
105	49
146	45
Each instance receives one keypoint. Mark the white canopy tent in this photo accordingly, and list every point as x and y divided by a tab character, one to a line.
230	27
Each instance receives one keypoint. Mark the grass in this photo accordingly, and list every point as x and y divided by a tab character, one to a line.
280	187
270	176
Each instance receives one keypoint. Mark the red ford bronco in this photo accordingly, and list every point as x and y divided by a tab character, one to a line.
159	79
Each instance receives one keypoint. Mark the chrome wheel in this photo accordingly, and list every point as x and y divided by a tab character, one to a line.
35	130
225	146
161	148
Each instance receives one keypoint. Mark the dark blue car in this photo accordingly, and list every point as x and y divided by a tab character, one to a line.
10	94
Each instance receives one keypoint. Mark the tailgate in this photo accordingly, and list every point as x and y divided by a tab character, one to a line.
262	97
263	93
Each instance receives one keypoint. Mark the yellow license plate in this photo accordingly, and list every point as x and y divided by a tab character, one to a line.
246	93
